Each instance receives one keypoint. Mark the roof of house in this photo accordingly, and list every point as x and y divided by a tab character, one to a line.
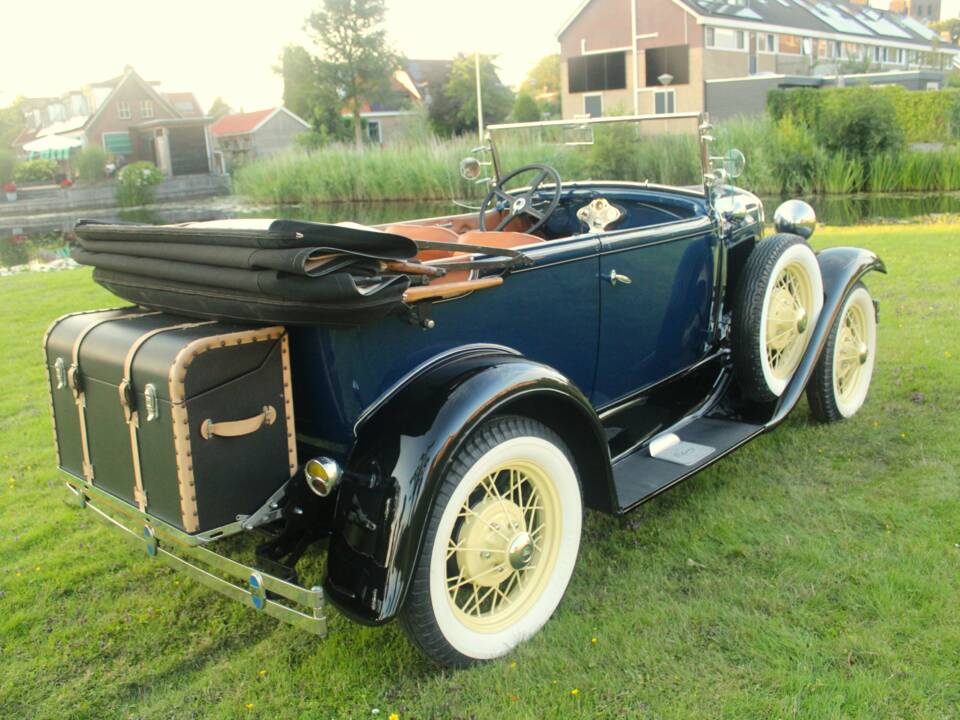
130	75
184	103
428	72
816	18
243	123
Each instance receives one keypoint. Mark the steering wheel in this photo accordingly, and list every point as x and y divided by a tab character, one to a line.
526	202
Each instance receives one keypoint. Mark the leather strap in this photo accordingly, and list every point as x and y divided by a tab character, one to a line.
443	290
130	413
236	428
73	380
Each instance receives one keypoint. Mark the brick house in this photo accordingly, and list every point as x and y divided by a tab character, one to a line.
659	56
131	120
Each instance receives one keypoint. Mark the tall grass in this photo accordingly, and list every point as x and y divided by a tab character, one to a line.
782	157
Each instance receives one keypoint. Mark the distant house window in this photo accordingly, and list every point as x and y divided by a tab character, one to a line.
673	60
724	39
593	105
373	131
594	73
664	101
146	109
123	110
876	53
790	44
900	56
806	46
769	43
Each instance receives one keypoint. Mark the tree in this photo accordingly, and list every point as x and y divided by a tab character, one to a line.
543	82
454	108
525	108
355	60
219	108
300	81
950	26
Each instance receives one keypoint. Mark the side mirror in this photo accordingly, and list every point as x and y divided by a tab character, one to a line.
734	163
470	168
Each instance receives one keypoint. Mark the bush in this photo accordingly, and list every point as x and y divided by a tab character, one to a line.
8	162
793	157
35	171
135	183
861	122
91	163
525	109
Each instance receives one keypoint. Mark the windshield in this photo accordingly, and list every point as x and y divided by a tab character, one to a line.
676	150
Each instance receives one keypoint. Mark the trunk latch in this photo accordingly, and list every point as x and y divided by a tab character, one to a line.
150	401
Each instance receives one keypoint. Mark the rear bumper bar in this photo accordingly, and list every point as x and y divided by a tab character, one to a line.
209	567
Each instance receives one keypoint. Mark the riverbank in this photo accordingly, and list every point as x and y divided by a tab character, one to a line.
104	195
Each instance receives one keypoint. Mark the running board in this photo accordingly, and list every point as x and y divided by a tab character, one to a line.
675	456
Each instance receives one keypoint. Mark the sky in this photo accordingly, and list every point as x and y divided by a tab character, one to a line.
229	47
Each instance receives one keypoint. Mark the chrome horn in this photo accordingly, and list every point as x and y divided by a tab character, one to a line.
795	217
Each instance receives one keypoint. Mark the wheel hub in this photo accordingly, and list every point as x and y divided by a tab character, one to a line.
493	543
862	353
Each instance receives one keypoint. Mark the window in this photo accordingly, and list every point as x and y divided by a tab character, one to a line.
123	110
768	43
725	39
593	105
373	131
673	60
146	109
592	73
900	56
876	53
790	44
806	46
664	101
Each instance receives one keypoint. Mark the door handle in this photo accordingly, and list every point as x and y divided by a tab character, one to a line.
614	277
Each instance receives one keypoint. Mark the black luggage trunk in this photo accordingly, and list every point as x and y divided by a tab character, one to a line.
190	421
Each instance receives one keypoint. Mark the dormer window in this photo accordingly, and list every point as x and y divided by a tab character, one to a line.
123	110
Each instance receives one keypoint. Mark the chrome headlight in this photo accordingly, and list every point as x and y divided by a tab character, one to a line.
795	217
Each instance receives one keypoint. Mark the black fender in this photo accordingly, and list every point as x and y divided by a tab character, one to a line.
404	448
841	269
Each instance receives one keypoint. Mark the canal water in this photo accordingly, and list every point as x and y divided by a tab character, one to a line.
46	237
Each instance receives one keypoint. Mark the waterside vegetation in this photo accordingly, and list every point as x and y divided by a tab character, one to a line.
838	141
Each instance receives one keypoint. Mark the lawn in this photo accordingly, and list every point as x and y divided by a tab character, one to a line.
814	573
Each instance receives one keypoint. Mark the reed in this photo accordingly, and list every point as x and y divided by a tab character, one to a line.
782	157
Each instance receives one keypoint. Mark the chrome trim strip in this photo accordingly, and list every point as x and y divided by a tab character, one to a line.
430	362
316	622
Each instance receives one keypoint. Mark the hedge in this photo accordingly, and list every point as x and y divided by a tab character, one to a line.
928	116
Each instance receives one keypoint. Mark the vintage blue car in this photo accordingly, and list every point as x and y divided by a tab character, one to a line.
434	403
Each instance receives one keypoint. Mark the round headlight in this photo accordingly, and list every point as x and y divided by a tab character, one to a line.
795	217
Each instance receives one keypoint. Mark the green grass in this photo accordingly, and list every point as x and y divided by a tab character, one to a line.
815	573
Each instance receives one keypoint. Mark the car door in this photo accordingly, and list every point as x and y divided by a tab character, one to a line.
656	294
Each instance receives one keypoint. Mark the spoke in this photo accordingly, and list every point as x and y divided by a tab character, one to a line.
533	212
540	178
471	511
490	484
506	221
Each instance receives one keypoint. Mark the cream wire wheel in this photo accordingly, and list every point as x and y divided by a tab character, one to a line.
843	373
502	545
776	307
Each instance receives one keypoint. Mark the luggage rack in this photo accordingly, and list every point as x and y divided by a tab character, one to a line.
261	587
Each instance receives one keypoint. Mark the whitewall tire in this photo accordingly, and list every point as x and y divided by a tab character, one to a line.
501	544
841	379
776	305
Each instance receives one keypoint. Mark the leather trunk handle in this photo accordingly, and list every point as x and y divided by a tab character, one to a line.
237	428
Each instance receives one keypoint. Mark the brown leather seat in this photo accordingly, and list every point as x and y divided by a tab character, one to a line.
492	238
430	233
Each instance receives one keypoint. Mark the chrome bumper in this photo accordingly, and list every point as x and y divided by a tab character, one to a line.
155	539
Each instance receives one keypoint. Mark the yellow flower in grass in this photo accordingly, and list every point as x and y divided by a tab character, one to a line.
262	673
249	706
593	641
393	716
575	692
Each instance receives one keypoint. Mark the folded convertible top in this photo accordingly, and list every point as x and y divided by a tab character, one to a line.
259	233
